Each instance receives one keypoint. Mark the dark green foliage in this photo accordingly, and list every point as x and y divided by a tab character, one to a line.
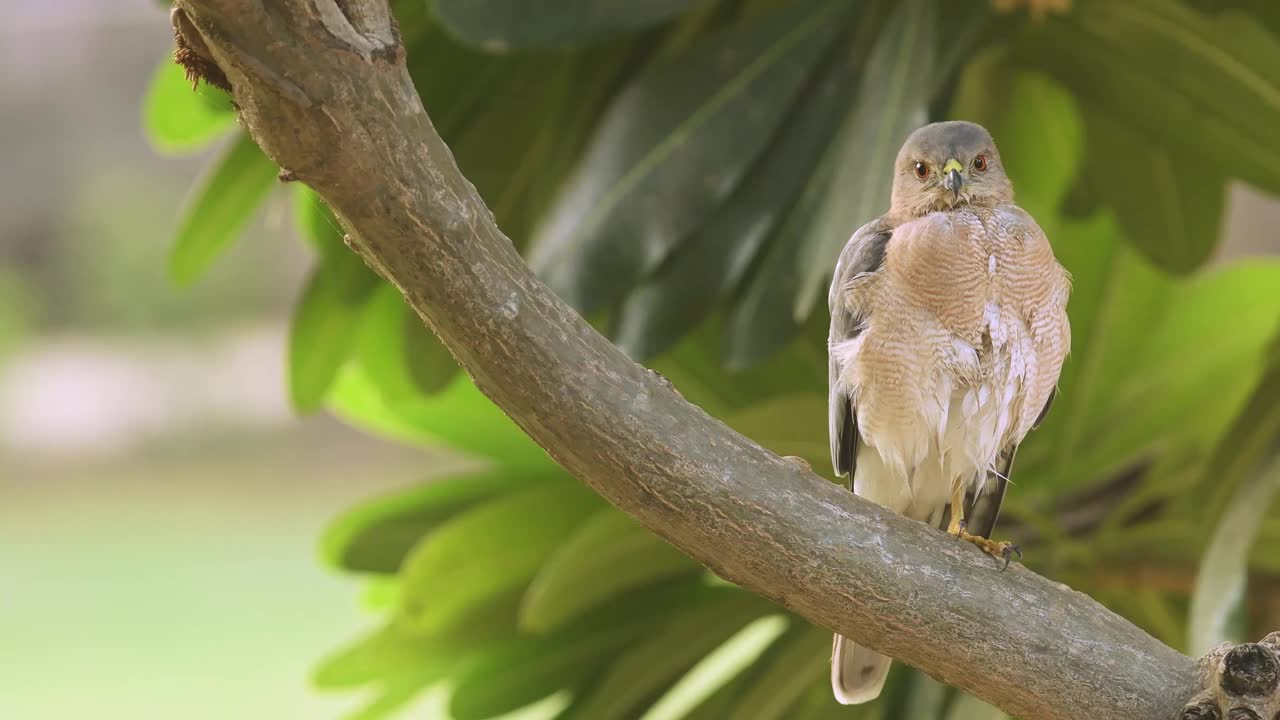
686	173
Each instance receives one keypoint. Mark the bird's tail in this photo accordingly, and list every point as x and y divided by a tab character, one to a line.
857	674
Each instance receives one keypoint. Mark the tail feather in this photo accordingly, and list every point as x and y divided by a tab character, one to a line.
857	674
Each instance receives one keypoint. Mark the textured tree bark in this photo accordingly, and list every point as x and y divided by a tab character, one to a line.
322	87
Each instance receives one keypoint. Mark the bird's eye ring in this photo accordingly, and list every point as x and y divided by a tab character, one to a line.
921	170
980	163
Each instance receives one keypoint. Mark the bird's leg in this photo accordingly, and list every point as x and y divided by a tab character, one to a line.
957	511
999	549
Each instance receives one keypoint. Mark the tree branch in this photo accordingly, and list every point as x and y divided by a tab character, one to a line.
323	89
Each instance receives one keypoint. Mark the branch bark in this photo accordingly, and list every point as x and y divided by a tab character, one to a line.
323	88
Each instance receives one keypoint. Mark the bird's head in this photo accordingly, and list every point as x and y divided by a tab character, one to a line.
945	165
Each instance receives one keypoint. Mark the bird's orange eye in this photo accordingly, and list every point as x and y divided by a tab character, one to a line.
980	163
921	170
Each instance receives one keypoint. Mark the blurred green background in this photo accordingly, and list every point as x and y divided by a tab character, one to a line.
238	479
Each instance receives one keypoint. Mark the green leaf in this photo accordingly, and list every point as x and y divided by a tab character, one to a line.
650	666
521	138
968	707
672	147
500	25
179	120
324	327
494	548
1142	339
393	696
1184	79
1035	123
459	417
317	223
890	105
1249	461
1170	204
694	367
926	699
794	424
527	670
672	301
399	353
383	654
718	668
380	592
608	555
515	124
223	204
1193	400
762	318
801	655
376	535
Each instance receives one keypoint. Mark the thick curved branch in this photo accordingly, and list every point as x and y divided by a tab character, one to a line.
323	88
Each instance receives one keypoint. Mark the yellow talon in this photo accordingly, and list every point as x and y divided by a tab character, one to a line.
998	549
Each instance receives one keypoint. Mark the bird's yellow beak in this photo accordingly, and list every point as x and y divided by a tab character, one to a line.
951	177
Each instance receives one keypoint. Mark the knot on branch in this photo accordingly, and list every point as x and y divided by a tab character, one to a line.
193	54
1240	682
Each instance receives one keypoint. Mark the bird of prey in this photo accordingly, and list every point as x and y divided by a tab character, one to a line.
948	333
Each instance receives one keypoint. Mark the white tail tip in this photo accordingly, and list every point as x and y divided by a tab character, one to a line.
857	674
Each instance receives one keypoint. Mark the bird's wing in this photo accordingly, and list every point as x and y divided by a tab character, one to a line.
982	509
864	253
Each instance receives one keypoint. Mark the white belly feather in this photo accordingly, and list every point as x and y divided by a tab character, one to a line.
966	411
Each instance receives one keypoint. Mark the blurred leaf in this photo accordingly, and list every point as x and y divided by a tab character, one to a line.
526	670
968	707
762	318
1186	80
1193	399
223	204
20	307
459	417
488	550
430	364
672	147
317	224
518	142
394	651
1266	12
1036	125
1252	434
179	120
325	325
672	301
1129	321
892	102
788	425
394	694
383	654
801	655
399	353
514	123
380	592
926	698
500	25
608	555
694	367
1253	448
376	535
1171	207
717	705
649	666
718	668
